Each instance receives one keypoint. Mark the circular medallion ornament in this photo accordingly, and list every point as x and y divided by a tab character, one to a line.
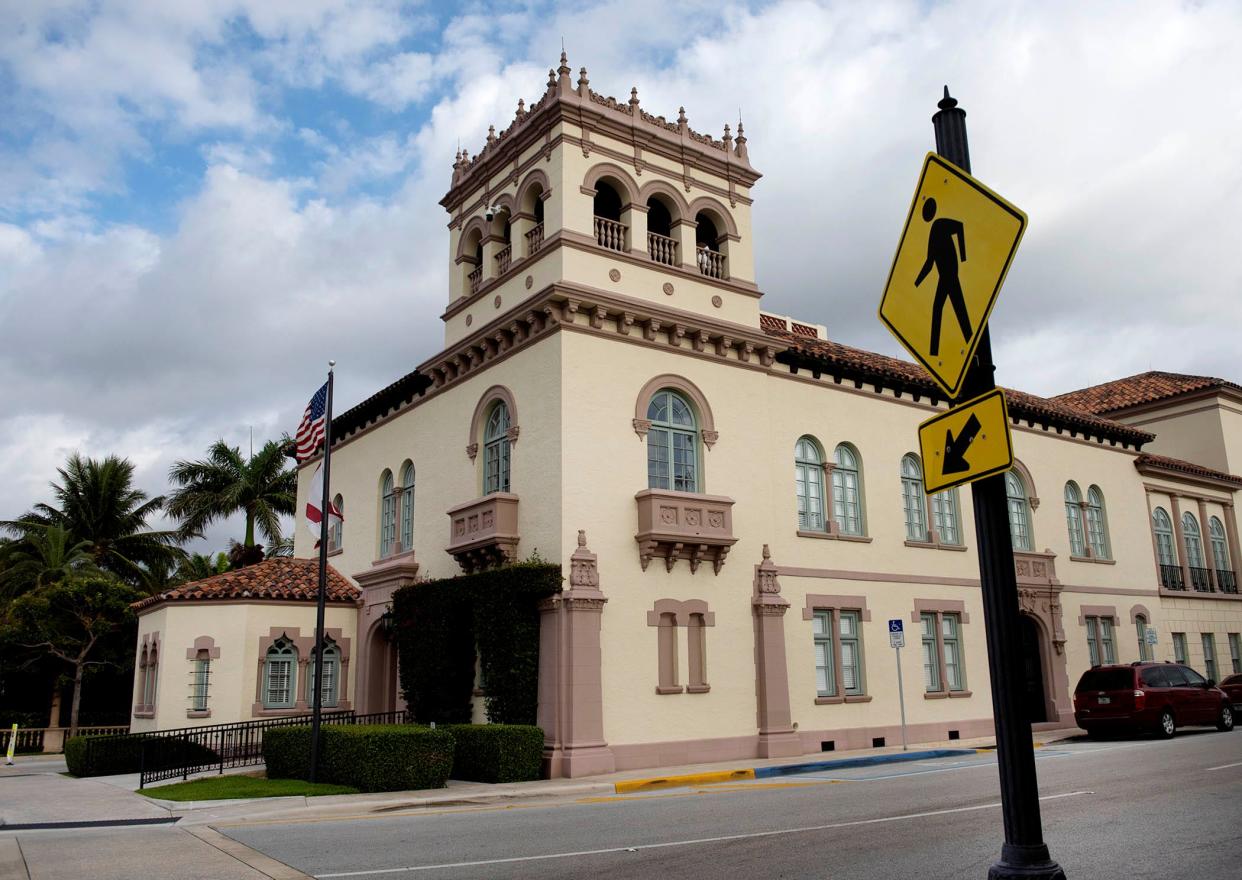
469	320
529	281
496	301
668	289
614	274
717	301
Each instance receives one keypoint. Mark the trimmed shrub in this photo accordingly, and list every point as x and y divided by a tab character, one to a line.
368	757
104	755
496	752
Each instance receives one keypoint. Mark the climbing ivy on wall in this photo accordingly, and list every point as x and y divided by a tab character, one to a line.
438	625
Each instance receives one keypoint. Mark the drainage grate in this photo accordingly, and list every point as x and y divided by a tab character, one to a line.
955	734
877	742
828	745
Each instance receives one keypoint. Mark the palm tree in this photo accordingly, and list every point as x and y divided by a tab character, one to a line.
198	566
97	505
225	483
45	555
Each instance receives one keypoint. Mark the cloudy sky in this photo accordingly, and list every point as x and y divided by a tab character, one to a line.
199	202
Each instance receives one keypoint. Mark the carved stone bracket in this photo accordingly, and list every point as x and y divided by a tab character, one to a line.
472	450
642	426
684	525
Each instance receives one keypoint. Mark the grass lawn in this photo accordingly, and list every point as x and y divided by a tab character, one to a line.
222	787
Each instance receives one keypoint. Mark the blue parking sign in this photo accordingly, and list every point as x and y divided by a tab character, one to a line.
895	626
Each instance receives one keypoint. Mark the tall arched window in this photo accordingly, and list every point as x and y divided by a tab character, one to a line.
912	498
407	507
672	444
946	516
331	675
1073	519
847	493
1097	524
496	450
809	483
1019	512
280	670
336	527
149	677
388	515
1166	550
1194	552
1225	578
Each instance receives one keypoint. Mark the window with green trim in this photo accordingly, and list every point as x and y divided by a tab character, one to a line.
672	444
330	694
280	670
809	485
847	494
496	452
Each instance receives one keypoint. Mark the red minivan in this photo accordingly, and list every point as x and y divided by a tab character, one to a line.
1157	697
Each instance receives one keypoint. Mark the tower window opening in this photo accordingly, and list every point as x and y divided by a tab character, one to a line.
609	230
661	246
707	242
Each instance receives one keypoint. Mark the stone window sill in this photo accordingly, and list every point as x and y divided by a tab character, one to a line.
848	698
936	545
336	551
835	536
941	695
698	688
191	713
858	698
662	690
1094	559
144	713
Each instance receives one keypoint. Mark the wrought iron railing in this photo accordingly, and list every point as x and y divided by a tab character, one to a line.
1201	579
1226	580
534	239
504	258
711	263
610	234
1171	577
167	754
662	249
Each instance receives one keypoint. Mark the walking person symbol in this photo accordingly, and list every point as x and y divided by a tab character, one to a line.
944	257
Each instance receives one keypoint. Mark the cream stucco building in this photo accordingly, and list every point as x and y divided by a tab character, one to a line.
735	496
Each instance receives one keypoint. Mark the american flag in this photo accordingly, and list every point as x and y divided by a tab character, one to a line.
310	432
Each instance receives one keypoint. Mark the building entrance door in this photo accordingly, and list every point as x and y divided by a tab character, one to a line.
1033	671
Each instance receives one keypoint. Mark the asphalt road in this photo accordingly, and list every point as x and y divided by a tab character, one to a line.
1128	808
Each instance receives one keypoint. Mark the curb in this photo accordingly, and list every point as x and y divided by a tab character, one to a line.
93	823
656	783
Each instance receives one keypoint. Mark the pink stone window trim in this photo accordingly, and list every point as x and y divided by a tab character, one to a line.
147	681
833	606
707	423
204	648
667	615
481	410
305	647
941	607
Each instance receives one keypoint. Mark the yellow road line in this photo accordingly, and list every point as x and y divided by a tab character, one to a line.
655	783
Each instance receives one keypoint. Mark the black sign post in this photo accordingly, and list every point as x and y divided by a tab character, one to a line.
1024	853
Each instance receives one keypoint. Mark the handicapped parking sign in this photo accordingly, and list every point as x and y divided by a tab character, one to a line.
896	634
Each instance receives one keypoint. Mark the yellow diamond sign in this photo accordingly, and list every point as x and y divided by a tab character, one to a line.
966	443
955	249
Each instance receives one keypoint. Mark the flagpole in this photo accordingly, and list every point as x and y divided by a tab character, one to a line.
317	697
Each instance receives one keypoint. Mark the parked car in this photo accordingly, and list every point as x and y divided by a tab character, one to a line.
1156	697
1232	685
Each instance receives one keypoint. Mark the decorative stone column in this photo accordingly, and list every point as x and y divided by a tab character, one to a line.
571	691
778	735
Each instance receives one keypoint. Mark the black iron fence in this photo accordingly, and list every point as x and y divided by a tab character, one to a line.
1171	577
1201	579
167	754
1227	579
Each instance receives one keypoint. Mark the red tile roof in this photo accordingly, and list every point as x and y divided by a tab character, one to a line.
292	580
1143	388
894	373
1162	462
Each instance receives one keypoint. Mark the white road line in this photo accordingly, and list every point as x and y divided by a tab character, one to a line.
622	849
1226	766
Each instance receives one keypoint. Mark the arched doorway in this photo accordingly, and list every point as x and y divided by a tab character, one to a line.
381	660
1034	696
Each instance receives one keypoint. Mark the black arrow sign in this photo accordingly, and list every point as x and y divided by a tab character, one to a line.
955	449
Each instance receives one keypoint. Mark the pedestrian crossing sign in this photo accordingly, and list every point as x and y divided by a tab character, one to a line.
956	247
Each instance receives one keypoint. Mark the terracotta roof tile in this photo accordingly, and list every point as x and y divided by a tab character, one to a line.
870	366
1136	390
293	580
1165	463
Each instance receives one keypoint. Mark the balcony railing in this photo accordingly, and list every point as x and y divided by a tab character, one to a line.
534	239
712	263
610	234
1171	577
503	259
476	278
484	532
1226	580
662	248
1201	580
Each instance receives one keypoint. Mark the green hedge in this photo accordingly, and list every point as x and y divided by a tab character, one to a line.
439	624
368	757
104	755
496	752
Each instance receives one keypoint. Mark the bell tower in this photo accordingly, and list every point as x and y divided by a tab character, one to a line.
587	193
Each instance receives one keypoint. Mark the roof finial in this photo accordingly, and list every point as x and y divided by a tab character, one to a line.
634	100
767	554
551	79
581	537
681	119
584	84
740	151
564	70
521	109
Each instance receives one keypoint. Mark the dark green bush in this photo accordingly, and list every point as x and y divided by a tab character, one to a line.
496	752
438	625
368	757
104	755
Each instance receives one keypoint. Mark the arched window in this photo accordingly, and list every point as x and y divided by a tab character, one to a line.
1163	526
610	232
388	515
946	517
661	246
280	670
707	241
912	498
1140	624
202	680
847	506
407	507
331	675
472	261
1194	545
1220	555
1073	520
336	527
672	443
1097	524
496	449
809	482
1019	512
